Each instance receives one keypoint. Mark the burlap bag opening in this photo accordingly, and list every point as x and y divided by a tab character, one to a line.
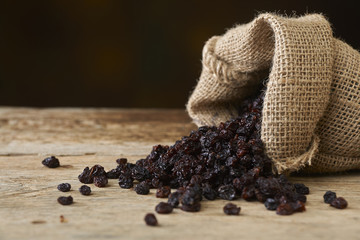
312	103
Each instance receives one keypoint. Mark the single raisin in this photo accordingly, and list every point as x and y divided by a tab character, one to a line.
231	209
339	203
51	162
125	182
209	193
191	208
65	200
85	176
227	192
85	190
64	187
271	204
142	188
121	161
163	208
150	219
329	196
284	209
301	188
100	181
163	192
174	199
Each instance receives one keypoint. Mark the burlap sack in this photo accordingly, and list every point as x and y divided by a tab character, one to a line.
311	113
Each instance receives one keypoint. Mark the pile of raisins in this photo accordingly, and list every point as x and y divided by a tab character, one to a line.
227	162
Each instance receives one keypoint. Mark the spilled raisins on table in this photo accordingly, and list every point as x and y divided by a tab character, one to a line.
150	219
51	162
64	187
65	200
231	209
227	162
85	190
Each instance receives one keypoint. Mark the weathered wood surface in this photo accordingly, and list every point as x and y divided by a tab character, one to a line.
28	207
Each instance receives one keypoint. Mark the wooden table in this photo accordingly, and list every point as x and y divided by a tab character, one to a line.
84	137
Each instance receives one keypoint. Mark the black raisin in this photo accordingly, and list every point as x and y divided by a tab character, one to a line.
64	187
174	199
163	192
100	181
150	219
163	208
231	209
125	182
329	196
301	188
51	162
339	203
65	200
142	188
85	190
227	192
271	204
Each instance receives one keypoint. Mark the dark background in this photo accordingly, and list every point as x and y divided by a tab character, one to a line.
98	53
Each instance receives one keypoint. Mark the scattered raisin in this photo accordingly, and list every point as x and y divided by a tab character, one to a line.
174	199
301	188
64	187
85	190
227	192
142	188
150	219
51	162
231	209
191	208
329	196
163	192
339	203
65	200
284	209
100	181
163	208
125	182
271	204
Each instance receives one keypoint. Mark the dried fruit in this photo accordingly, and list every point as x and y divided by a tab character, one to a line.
65	200
301	188
231	209
285	209
100	181
163	192
125	182
150	219
227	192
85	190
227	161
142	188
64	187
163	208
339	203
329	196
271	204
51	162
174	199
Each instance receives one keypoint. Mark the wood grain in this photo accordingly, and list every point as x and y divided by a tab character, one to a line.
84	137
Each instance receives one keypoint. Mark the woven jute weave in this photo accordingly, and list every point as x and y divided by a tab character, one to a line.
311	112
